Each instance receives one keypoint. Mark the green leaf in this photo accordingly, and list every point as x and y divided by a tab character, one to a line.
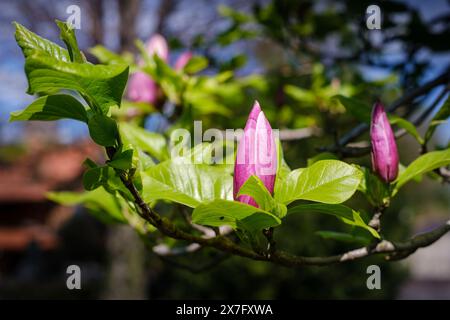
359	109
223	212
343	213
169	80
31	43
196	64
188	184
49	68
235	15
122	160
375	190
283	169
255	188
300	94
95	177
68	36
51	108
106	56
103	130
99	202
107	178
321	156
89	163
408	126
423	164
234	63
327	181
101	85
153	143
441	116
235	33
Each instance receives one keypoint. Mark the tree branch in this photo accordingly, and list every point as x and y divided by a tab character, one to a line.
222	243
362	148
407	98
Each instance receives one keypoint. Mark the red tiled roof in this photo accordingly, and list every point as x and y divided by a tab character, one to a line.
18	238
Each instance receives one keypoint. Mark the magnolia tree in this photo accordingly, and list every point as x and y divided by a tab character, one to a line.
234	192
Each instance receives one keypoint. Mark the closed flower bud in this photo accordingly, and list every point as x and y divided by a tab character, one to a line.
384	148
142	88
182	60
256	154
157	44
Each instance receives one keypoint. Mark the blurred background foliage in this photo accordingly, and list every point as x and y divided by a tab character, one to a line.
299	59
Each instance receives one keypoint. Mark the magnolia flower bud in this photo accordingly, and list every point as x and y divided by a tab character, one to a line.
256	154
142	88
157	44
182	60
384	149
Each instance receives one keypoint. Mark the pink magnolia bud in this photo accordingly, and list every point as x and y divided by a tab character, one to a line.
256	155
158	44
182	60
141	87
384	149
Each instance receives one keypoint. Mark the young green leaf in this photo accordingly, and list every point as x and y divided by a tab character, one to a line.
188	184
439	118
102	85
31	43
100	203
408	126
49	108
103	130
321	156
326	181
375	190
255	188
359	109
106	56
195	64
169	80
151	142
423	164
95	177
343	213
300	94
67	34
89	163
222	212
122	160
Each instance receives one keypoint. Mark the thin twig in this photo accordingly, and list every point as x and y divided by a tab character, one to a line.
407	98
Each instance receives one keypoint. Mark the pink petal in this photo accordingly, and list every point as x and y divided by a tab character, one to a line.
182	60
